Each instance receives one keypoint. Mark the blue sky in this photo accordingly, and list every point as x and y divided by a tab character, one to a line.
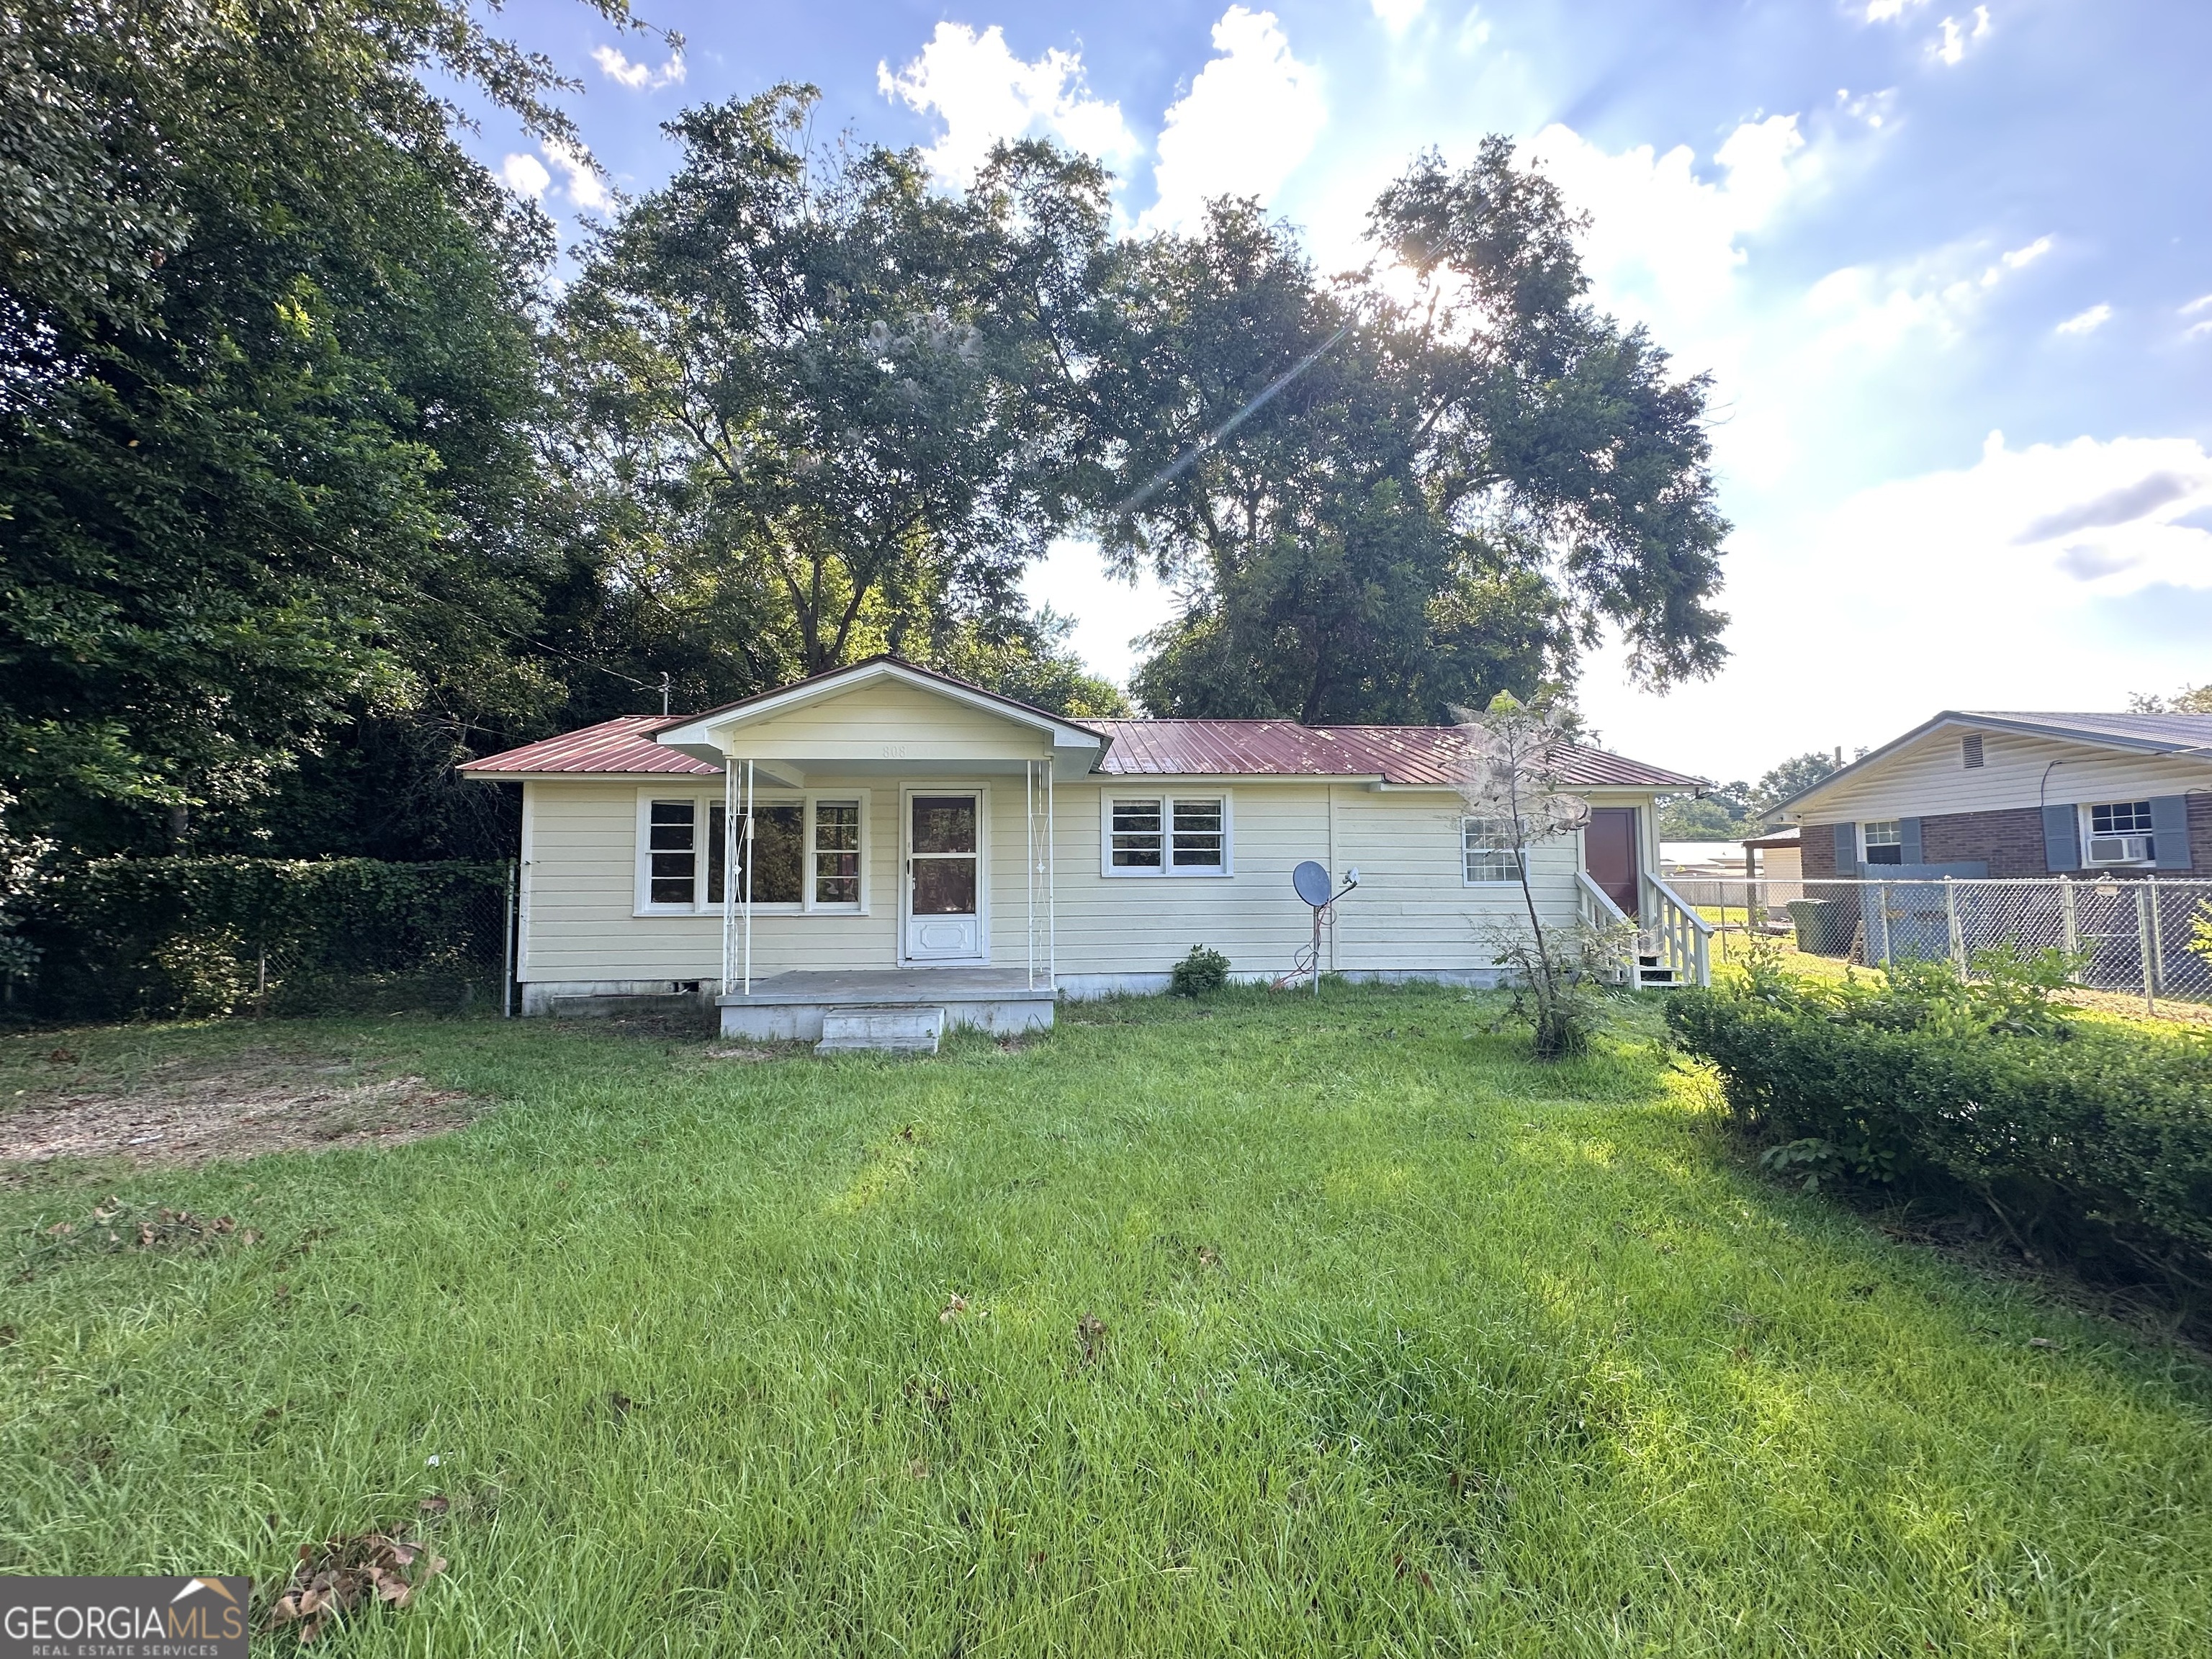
1950	264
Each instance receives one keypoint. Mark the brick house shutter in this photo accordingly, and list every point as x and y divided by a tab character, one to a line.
2169	824
2062	838
1847	847
1908	832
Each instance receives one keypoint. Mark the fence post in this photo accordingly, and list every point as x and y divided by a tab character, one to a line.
261	982
1951	924
2143	943
507	940
2157	936
2072	931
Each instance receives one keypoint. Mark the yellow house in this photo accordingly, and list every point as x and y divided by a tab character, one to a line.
881	835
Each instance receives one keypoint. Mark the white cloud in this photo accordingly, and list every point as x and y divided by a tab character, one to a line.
2015	582
1981	536
524	175
2204	303
1664	244
1864	310
2086	322
1888	11
580	180
1399	15
638	77
984	93
1250	117
1950	47
1874	108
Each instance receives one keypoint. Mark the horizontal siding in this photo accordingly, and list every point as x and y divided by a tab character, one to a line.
1413	909
1926	778
1410	912
885	721
583	888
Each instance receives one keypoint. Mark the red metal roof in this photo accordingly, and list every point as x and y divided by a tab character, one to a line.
1412	755
1397	754
624	743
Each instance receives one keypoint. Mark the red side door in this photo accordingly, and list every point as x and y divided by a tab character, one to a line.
1609	844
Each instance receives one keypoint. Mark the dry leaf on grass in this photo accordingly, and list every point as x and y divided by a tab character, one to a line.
339	1575
1090	1331
113	1226
954	1308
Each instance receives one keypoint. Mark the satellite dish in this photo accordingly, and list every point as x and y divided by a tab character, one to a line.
1311	879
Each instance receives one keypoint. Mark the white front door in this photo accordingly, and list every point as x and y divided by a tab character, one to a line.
943	908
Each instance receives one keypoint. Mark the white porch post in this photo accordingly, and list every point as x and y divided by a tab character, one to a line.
749	878
1051	887
729	873
1029	863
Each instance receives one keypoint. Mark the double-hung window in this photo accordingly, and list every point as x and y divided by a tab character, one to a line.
1487	855
672	857
807	853
1167	835
1883	842
836	855
2119	832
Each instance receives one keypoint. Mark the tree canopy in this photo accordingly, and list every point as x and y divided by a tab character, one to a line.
312	483
1451	492
826	408
1729	811
267	380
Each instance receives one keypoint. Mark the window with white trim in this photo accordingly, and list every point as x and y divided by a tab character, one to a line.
1882	841
835	853
1487	855
672	857
1166	836
807	853
2117	832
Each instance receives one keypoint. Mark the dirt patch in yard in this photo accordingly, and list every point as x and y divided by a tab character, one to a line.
229	1106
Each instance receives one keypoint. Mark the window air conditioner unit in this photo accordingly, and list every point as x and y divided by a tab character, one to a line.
2119	849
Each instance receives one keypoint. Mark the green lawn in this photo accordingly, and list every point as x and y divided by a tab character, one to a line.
1408	1346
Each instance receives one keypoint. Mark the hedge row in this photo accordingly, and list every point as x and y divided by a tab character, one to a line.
123	937
2090	1142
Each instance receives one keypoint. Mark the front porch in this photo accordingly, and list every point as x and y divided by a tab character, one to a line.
790	1007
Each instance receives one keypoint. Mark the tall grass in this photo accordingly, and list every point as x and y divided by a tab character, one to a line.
1287	1329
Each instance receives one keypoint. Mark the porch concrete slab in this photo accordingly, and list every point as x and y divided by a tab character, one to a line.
791	1007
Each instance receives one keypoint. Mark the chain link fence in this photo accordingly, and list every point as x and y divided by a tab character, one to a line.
2147	938
125	938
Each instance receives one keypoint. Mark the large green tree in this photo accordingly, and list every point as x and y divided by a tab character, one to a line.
1380	506
267	374
821	410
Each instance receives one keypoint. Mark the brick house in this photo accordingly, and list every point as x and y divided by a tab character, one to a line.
2017	794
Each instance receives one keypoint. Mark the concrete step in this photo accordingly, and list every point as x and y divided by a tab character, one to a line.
900	1029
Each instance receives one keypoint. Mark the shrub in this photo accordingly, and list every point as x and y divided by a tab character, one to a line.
120	937
1201	971
2089	1142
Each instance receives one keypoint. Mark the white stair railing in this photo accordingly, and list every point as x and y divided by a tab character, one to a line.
1681	936
1599	910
